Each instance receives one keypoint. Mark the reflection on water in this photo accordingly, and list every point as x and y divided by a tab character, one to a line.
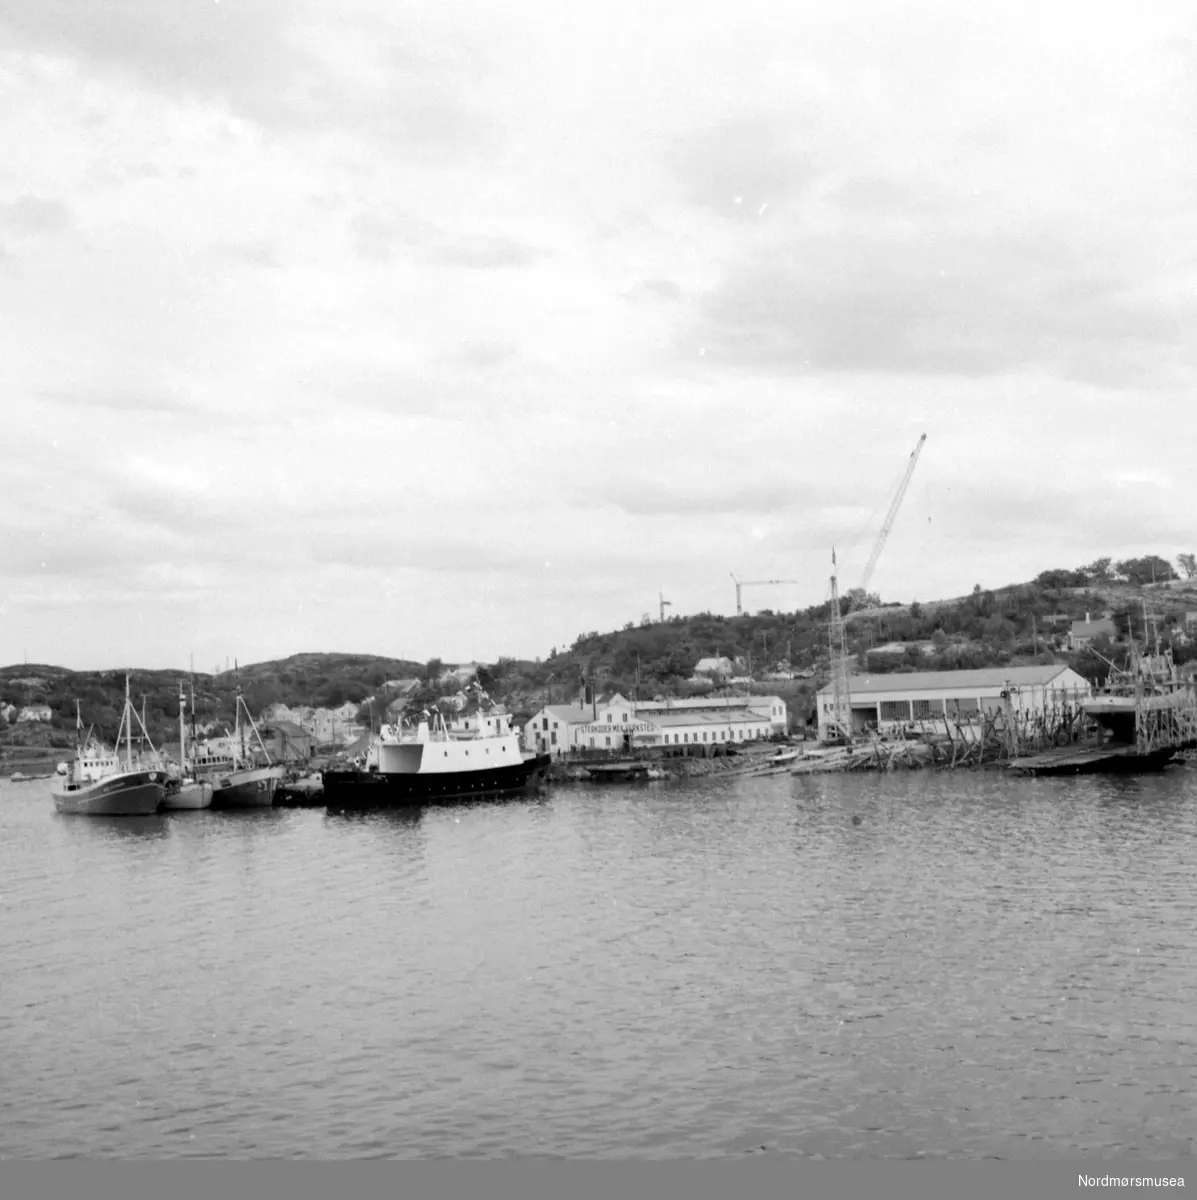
919	964
153	826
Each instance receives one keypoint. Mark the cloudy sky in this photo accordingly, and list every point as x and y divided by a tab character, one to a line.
460	329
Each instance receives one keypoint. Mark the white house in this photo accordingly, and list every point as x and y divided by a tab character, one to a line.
34	712
888	701
602	725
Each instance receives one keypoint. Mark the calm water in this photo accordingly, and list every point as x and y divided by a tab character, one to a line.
981	966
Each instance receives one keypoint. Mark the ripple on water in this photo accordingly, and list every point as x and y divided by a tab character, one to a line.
980	967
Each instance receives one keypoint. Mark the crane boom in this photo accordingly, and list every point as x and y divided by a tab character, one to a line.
891	516
743	583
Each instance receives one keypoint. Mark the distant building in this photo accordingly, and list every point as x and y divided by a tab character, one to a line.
617	725
461	675
772	708
286	741
1083	633
886	702
34	712
715	668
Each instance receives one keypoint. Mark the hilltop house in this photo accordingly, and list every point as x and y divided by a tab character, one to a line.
34	712
1083	633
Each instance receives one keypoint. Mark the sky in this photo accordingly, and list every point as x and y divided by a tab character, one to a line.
459	330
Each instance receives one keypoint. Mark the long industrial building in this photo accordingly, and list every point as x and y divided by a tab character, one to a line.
886	702
698	726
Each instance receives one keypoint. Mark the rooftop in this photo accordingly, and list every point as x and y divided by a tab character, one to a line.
698	717
938	681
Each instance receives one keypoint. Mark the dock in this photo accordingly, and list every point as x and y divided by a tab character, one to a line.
617	772
1087	760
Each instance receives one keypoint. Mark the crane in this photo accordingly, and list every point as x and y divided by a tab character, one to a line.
743	583
664	605
841	694
890	516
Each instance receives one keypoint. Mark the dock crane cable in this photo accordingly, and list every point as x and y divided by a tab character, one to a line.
837	634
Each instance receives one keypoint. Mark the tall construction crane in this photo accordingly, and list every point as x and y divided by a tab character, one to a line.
841	693
888	523
743	583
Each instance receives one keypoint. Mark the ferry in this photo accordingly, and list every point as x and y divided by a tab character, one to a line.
433	762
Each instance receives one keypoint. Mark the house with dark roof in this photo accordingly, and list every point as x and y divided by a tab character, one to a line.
1083	633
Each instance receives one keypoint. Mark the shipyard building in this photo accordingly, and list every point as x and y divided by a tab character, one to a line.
701	726
889	702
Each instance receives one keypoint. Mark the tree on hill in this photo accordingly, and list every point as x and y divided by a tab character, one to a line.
1098	571
1060	578
1188	564
1151	568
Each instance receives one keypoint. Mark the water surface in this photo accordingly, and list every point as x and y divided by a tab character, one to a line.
978	966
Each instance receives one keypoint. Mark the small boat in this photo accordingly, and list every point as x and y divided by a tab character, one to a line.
430	764
782	758
187	791
99	784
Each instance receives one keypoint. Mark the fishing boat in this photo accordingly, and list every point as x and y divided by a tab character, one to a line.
99	783
432	762
251	778
188	790
1145	716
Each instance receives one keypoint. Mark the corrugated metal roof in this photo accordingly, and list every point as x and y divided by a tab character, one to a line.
927	681
670	720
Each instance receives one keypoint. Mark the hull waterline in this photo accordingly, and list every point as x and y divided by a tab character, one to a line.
188	798
137	795
246	789
344	790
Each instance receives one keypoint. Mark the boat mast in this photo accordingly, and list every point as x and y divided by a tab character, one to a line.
128	718
182	732
238	734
